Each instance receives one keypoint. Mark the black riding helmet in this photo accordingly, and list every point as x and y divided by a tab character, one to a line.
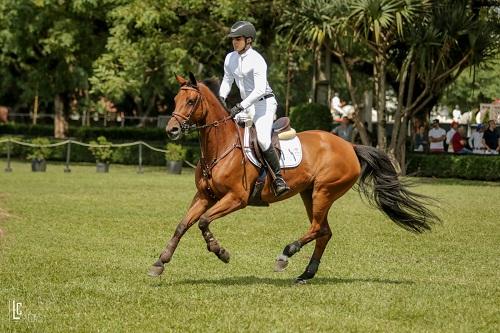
243	28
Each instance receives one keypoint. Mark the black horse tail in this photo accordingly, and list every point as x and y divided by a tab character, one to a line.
379	182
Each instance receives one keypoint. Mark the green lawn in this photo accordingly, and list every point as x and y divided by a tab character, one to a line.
76	247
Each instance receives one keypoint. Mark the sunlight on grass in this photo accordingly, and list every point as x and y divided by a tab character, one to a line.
76	247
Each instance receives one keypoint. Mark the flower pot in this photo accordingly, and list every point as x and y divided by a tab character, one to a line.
38	165
174	167
102	167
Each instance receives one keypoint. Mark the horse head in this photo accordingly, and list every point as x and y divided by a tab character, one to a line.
189	108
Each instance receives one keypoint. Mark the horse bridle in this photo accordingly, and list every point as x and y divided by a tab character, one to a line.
185	122
186	126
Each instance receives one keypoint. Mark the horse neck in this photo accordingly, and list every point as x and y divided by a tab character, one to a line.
215	140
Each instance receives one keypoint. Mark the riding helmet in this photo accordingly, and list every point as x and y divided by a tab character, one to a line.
243	28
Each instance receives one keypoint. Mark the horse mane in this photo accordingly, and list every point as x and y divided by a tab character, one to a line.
213	85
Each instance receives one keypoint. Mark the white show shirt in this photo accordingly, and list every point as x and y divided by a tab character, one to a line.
249	71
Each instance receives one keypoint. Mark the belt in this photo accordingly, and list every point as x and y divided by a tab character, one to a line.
266	96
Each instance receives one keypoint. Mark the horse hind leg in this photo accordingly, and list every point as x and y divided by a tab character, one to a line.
292	248
317	203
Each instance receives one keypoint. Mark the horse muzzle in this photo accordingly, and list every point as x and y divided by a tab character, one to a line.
174	132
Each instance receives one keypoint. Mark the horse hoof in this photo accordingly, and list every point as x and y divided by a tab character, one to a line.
224	255
155	271
300	281
281	264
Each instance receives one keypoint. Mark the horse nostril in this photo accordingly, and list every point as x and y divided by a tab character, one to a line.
174	132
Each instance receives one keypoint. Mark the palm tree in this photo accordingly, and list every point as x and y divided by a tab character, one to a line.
431	55
322	26
379	23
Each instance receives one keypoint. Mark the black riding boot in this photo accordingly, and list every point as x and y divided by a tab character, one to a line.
279	184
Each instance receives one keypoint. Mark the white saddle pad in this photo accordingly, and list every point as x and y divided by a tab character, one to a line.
291	151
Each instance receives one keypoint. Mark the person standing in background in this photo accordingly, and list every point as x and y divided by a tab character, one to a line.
437	135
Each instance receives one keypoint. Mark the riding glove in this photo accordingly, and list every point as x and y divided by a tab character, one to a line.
236	109
241	117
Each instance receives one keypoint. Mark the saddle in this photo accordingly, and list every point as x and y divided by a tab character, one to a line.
281	130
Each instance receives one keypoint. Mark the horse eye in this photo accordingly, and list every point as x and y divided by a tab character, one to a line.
190	102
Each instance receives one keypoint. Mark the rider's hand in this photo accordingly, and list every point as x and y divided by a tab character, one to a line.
236	109
241	117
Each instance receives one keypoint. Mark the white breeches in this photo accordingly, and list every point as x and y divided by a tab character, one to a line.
262	113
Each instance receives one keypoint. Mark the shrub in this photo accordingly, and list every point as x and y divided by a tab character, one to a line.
39	153
310	117
104	153
478	167
175	152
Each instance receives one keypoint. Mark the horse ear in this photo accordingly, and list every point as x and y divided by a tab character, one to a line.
182	81
192	79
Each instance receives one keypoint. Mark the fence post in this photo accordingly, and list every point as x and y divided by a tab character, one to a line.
140	158
8	168
68	154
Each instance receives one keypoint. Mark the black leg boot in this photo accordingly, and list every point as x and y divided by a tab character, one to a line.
279	184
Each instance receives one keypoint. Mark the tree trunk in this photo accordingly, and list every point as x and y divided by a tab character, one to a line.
146	114
400	148
380	91
322	77
365	139
60	123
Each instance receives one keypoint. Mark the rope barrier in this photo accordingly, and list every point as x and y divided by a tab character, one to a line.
113	145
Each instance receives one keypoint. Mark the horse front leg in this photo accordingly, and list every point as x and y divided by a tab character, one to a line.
199	205
228	204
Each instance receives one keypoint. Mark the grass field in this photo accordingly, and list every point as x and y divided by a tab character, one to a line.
75	248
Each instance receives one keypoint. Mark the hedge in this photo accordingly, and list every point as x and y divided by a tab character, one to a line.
477	167
86	134
311	116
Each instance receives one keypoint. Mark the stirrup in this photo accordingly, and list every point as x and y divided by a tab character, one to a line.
280	187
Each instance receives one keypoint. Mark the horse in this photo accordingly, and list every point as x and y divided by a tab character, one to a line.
330	167
4	114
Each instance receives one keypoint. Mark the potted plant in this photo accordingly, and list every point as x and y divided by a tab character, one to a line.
175	155
39	154
102	152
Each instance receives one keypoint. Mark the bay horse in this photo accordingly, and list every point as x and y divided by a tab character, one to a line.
330	167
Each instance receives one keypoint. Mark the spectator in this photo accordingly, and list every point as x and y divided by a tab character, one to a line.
450	134
437	135
458	142
476	140
491	139
420	139
336	106
457	114
344	130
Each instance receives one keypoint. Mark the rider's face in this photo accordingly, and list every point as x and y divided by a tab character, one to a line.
239	43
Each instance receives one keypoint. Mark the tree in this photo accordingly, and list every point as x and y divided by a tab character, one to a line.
433	54
321	24
47	49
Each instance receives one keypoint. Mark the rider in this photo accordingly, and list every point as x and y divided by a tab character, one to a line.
249	69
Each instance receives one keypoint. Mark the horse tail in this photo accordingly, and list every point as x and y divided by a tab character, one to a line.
380	184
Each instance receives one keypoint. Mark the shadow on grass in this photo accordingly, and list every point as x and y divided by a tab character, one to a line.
280	282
